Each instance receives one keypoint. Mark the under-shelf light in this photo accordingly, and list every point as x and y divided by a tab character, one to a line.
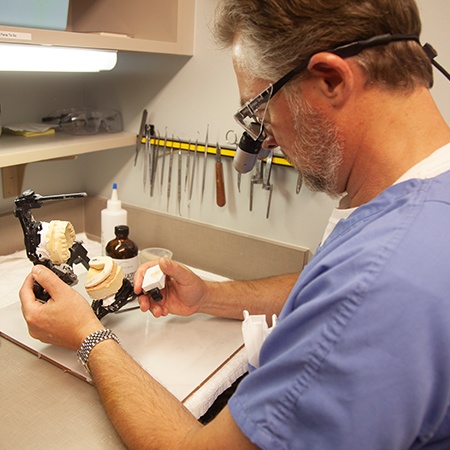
44	58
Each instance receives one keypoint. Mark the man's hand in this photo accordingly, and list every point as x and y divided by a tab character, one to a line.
183	292
66	319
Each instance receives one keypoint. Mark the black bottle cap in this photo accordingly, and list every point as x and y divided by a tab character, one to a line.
121	230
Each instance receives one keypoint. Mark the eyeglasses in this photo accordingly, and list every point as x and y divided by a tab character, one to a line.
251	115
86	121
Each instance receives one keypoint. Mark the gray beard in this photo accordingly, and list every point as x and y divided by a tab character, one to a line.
316	151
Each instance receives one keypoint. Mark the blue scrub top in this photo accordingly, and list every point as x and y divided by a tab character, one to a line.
360	358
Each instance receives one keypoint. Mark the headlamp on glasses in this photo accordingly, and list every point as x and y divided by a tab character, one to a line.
248	151
251	118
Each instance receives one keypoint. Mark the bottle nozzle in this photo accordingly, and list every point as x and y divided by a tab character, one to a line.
114	203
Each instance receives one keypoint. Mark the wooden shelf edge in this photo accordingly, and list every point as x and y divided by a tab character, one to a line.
93	40
16	150
19	35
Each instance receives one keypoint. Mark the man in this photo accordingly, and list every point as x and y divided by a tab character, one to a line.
360	358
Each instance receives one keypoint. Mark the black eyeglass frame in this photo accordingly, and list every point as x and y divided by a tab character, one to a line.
250	108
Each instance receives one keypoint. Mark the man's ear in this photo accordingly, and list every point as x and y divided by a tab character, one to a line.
334	75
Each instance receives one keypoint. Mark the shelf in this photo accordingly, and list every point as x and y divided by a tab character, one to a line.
136	26
16	150
91	40
146	26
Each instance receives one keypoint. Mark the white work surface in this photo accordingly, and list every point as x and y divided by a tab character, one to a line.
196	357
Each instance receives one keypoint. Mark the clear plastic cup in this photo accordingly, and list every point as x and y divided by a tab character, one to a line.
154	253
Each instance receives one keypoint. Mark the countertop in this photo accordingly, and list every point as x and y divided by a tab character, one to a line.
46	407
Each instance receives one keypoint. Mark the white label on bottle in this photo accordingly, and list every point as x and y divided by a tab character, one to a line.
129	266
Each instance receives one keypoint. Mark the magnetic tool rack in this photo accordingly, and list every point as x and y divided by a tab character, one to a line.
150	142
210	149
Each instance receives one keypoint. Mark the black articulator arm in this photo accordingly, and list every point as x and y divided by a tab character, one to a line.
124	295
78	254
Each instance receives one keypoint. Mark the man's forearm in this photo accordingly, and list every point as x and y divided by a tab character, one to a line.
264	296
143	412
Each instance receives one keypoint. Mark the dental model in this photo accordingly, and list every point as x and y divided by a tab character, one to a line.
53	245
103	279
56	239
107	285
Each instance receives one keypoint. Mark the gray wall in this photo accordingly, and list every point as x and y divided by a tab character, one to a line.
185	95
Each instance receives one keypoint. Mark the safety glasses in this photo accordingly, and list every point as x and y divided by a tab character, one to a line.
251	115
86	121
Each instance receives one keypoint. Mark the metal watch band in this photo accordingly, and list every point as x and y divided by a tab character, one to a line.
90	342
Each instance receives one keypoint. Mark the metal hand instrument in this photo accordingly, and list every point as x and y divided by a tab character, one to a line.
163	161
194	164
220	184
154	165
146	152
298	187
234	141
180	161
257	178
267	185
151	157
169	181
187	177
204	162
140	135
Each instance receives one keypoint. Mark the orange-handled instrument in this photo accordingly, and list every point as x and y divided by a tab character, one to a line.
220	185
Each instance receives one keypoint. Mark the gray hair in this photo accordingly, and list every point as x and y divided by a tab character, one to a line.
276	34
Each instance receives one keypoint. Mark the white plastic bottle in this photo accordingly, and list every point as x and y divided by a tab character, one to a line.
112	216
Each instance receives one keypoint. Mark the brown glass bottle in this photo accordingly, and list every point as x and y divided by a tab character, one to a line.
124	251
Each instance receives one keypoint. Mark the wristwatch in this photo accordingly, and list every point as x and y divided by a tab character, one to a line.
90	342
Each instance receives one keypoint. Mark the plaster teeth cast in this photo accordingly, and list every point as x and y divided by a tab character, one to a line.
102	267
104	278
57	237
